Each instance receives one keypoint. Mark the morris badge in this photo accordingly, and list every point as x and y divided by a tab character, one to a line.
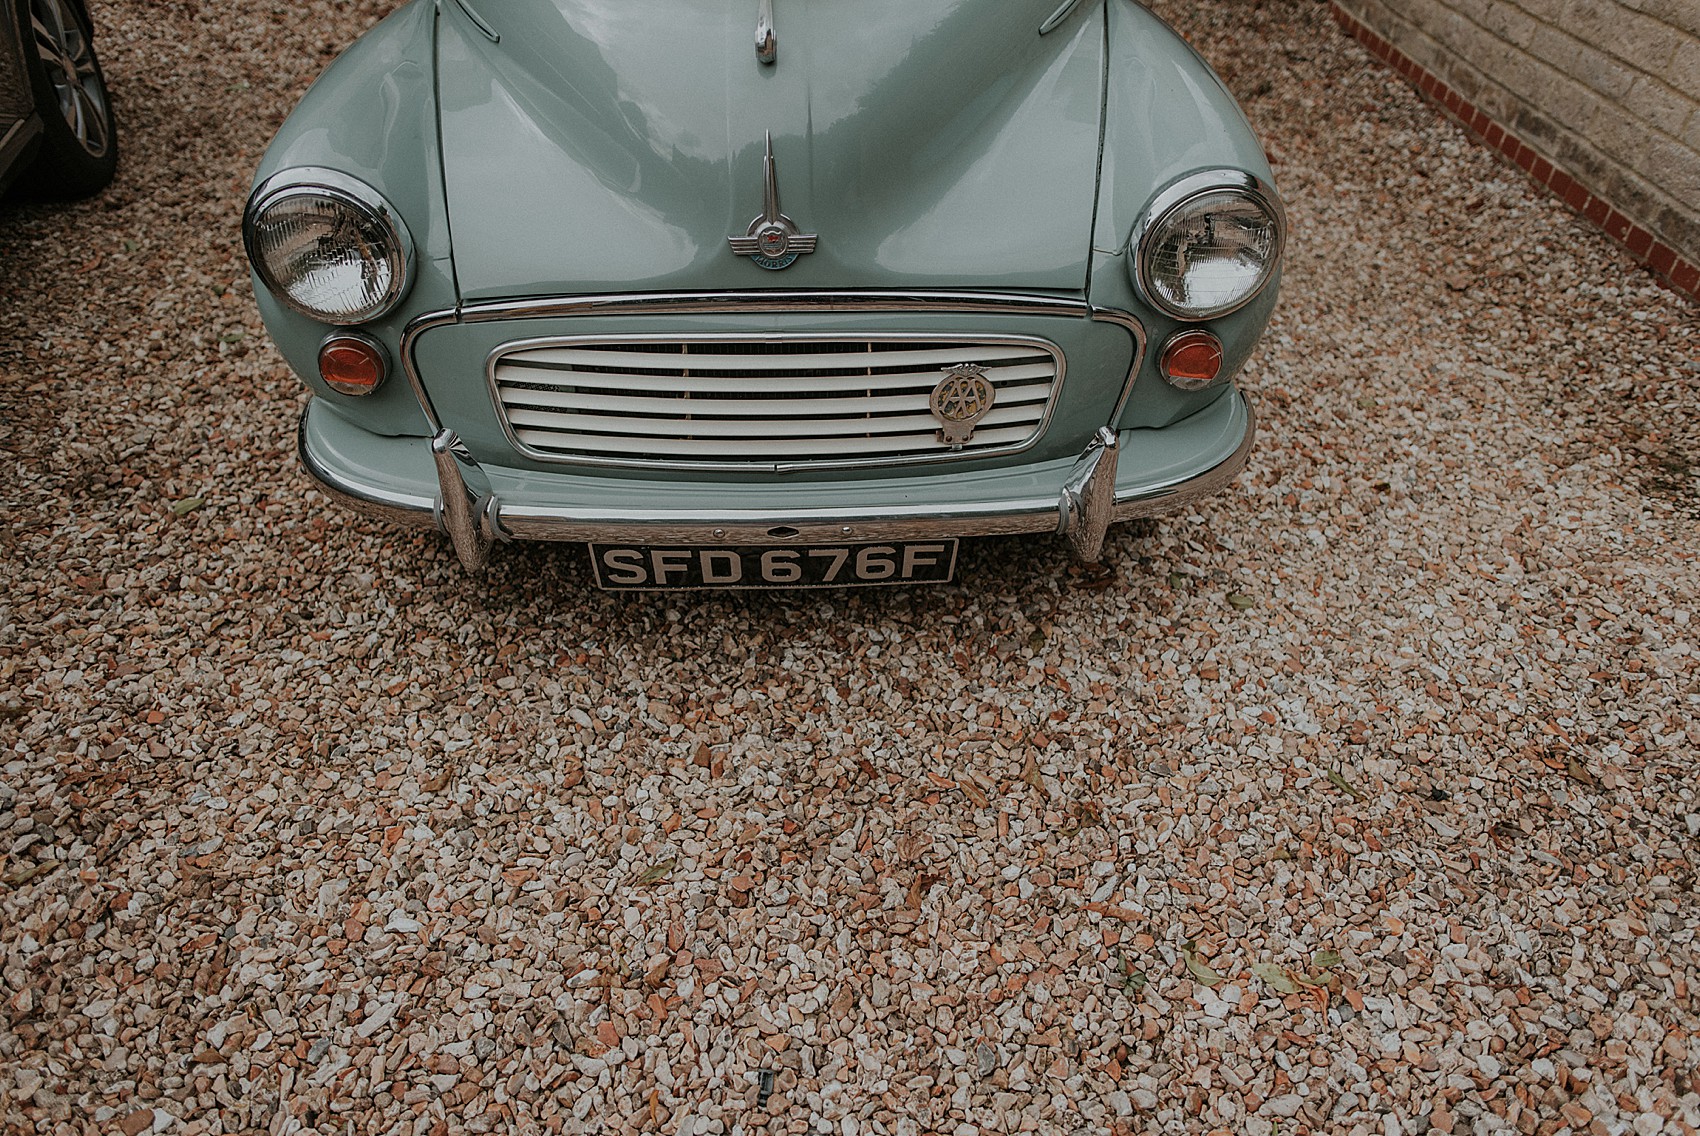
962	398
773	240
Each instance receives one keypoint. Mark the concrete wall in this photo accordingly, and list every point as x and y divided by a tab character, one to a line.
1606	91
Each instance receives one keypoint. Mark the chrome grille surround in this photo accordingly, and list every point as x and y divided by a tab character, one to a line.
762	402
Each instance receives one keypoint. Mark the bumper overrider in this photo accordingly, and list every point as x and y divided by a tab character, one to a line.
435	481
459	497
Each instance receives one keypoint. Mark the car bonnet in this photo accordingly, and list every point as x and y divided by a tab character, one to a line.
615	145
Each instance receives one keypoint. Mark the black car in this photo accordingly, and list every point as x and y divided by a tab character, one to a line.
57	136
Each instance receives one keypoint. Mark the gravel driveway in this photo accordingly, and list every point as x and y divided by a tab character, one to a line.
1360	799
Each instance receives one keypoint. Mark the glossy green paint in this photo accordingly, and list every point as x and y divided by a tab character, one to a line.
611	145
372	114
1154	402
1166	115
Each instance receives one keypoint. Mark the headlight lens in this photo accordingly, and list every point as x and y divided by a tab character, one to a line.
1209	252
328	246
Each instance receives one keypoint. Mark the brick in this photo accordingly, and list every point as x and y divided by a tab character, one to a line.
1687	277
1639	242
1619	134
1521	73
1576	197
1542	171
1530	125
1644	42
1510	24
1584	163
1597	211
1473	10
1662	107
1675	169
1554	48
1682	14
1427	16
1601	72
1679	227
1467	81
1498	104
1632	194
1561	107
1684	73
1662	258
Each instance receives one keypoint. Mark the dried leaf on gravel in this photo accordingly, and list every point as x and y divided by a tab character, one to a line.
1345	786
1200	969
1080	816
974	793
843	1002
1095	577
20	876
655	873
1132	979
1275	977
1239	601
187	505
1031	774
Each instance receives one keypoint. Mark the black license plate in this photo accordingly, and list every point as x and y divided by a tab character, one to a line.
647	567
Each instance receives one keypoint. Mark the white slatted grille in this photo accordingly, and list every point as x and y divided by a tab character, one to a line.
720	401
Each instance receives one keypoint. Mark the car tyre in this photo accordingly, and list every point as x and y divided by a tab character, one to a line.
79	144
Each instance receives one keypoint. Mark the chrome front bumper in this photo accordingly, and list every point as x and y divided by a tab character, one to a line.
475	516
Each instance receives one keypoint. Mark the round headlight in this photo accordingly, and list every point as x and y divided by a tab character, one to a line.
1208	247
328	245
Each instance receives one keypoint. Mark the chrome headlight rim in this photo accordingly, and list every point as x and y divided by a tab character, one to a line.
347	190
1182	192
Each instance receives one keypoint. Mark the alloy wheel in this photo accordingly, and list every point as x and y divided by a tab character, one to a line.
68	59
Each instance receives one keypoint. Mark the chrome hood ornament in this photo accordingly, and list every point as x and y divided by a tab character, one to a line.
767	43
773	240
961	399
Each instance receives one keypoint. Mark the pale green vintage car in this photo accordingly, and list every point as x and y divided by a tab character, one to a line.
751	293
